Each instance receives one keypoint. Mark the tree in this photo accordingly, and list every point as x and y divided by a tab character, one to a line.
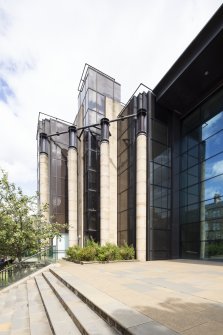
23	227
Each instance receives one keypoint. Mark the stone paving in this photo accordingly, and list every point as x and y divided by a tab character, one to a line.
184	296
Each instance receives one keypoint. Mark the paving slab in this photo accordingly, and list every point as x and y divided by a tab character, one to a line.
185	296
119	315
207	328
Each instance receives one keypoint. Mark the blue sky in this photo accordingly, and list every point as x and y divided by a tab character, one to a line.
45	44
5	91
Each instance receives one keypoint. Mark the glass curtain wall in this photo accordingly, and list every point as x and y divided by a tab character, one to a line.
58	172
126	171
201	188
159	225
96	87
57	151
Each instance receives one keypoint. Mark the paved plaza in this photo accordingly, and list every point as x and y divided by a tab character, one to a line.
184	296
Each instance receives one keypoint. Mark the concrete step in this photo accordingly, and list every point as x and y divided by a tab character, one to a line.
60	322
121	317
87	321
7	311
3	296
20	317
38	321
14	316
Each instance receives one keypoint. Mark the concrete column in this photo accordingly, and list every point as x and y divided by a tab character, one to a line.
104	182
141	197
72	187
141	182
80	180
44	176
112	110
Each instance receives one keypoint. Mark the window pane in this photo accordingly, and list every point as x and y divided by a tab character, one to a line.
100	103
104	86
92	180
160	153
92	79
159	132
92	100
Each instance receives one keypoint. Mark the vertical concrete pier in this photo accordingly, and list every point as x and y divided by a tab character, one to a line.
44	175
72	186
104	182
141	182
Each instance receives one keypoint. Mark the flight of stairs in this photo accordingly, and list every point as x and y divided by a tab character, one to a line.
56	302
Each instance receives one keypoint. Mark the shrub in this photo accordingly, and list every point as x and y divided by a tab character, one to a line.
109	252
94	252
127	252
73	253
88	253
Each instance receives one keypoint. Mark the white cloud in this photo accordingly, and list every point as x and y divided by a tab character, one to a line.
45	43
218	168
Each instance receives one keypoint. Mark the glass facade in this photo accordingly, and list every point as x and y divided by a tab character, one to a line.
201	181
126	171
58	172
159	217
92	185
92	99
57	151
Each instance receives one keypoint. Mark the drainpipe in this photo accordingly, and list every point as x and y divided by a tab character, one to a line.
72	186
104	182
44	175
141	178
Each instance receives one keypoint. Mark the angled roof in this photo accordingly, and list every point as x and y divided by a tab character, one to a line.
197	72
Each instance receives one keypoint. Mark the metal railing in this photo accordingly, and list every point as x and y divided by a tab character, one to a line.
12	273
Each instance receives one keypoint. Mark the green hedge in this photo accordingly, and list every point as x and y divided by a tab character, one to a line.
94	252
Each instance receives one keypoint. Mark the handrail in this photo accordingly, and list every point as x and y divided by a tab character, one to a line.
13	273
23	260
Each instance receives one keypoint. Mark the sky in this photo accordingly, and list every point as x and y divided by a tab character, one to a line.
44	45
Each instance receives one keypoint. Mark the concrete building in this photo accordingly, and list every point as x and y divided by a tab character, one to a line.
146	173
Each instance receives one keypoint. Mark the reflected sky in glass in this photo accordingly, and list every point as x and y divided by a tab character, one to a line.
212	134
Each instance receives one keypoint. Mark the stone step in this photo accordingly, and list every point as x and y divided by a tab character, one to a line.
87	321
3	296
121	317
39	323
7	311
14	317
20	317
60	322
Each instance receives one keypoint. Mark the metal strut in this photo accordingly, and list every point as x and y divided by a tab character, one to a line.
92	125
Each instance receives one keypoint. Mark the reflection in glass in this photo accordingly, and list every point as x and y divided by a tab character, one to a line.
201	195
92	100
92	79
160	192
100	103
126	171
159	131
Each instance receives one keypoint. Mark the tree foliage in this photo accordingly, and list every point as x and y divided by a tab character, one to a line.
23	228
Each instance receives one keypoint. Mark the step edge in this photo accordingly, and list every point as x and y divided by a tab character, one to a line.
118	326
105	316
54	325
29	283
47	314
79	325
